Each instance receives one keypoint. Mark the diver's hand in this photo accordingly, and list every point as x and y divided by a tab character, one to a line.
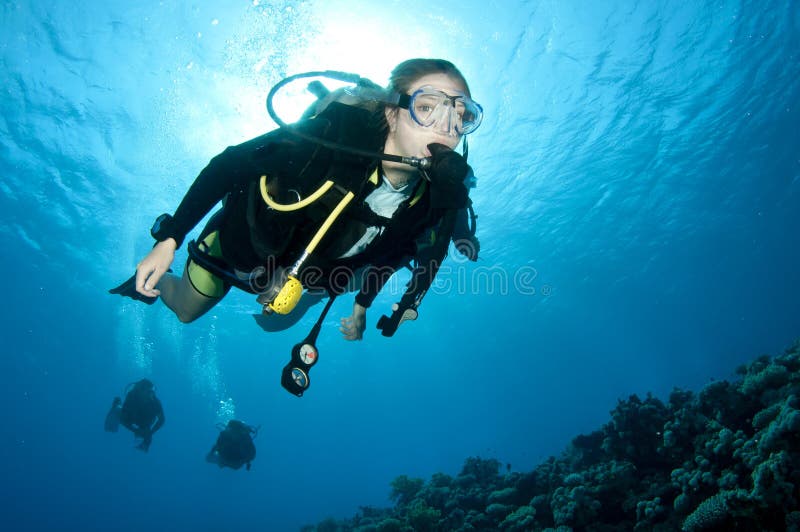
447	173
353	327
154	266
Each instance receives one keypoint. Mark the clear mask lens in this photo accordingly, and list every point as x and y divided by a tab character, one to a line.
454	115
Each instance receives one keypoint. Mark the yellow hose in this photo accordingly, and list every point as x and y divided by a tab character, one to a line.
329	221
292	290
293	206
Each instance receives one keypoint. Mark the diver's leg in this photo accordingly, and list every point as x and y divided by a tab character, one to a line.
147	439
112	418
198	290
212	457
184	299
125	420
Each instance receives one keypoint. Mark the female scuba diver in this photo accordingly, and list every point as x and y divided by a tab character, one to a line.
351	194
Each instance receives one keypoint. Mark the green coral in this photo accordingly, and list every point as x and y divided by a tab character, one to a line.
405	489
441	480
725	458
783	430
710	514
422	517
766	416
771	484
484	471
506	495
523	518
390	525
770	377
574	507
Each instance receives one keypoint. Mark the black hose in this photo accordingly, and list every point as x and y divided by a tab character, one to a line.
416	162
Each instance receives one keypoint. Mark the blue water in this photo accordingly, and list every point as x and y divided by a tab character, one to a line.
639	178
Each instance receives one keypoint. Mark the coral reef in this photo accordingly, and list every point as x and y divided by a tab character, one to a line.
726	458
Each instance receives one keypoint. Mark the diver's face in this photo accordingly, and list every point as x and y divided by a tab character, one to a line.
408	138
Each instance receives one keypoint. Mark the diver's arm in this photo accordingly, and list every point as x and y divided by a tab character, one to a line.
159	418
233	170
461	226
353	327
211	457
464	239
375	276
229	171
155	264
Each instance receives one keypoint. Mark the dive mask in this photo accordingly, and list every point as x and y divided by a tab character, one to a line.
454	115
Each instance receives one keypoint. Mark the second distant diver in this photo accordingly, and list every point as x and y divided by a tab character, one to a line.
234	447
141	413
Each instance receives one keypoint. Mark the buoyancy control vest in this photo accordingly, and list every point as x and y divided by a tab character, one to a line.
294	170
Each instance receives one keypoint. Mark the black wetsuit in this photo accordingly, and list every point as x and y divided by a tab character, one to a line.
251	234
142	414
234	446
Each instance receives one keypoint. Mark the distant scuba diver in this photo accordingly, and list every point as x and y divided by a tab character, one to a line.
370	187
234	446
141	413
